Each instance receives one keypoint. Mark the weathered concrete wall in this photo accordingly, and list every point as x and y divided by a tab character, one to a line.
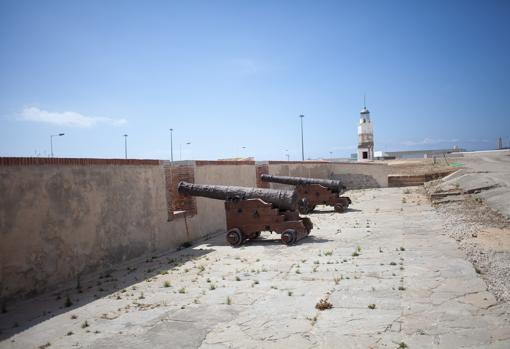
57	222
211	213
353	175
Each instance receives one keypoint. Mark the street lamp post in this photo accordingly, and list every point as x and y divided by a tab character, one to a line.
302	139
51	141
171	146
287	154
125	146
330	155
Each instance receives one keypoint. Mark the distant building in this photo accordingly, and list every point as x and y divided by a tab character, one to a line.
415	154
365	136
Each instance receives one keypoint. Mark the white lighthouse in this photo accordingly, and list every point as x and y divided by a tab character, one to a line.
365	136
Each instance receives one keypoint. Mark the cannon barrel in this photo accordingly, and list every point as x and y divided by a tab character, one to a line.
282	199
334	185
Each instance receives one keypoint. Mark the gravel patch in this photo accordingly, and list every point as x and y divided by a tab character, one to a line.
466	222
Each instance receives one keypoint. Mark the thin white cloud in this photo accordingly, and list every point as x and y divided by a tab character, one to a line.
246	66
67	118
429	141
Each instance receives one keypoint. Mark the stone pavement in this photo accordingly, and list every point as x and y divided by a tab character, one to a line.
392	275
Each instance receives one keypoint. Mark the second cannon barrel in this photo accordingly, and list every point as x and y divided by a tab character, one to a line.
334	185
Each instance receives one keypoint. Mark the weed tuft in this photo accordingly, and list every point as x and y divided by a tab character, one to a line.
186	244
323	305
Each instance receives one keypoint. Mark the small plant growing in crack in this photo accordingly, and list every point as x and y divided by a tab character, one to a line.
337	279
371	306
401	288
85	324
289	293
402	248
313	320
323	304
393	263
402	345
229	301
212	287
166	284
182	290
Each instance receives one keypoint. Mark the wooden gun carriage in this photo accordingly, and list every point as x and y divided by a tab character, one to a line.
314	191
249	211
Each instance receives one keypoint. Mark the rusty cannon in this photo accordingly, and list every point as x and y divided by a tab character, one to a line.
249	211
314	191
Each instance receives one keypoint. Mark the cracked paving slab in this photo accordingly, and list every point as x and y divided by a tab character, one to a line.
387	267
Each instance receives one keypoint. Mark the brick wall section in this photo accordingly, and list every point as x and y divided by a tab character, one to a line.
20	161
176	201
262	169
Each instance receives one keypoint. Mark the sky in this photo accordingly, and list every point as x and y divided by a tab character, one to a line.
232	77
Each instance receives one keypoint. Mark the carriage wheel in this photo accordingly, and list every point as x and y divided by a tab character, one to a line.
289	236
308	225
235	237
339	208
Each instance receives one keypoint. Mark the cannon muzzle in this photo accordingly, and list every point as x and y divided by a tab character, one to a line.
282	199
334	185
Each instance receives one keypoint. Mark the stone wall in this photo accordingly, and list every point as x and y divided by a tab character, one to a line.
58	221
353	175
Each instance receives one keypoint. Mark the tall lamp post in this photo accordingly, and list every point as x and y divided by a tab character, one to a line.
287	154
125	146
171	146
302	139
51	141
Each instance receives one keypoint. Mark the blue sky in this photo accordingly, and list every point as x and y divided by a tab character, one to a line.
232	74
